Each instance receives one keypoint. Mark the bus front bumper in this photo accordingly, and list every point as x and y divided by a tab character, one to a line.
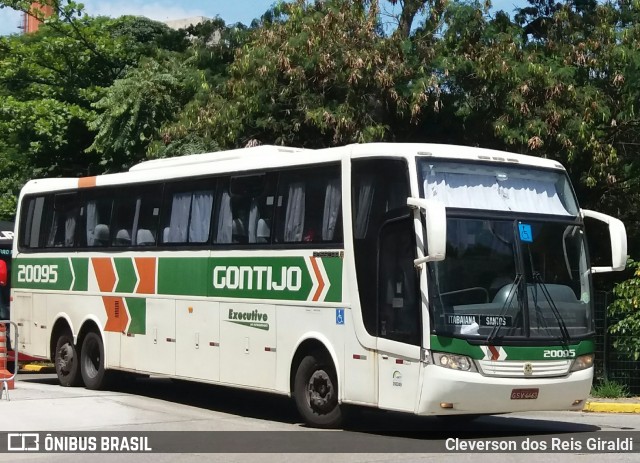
451	392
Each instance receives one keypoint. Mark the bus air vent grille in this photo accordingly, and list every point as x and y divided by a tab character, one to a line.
523	368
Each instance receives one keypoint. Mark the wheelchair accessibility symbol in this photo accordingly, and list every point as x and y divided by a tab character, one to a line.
339	316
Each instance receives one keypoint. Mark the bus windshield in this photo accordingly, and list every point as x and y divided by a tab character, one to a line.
497	187
479	289
509	273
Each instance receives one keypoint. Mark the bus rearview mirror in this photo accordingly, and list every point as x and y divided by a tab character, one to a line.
618	236
435	226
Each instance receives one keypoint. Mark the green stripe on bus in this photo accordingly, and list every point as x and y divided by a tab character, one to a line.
455	346
462	347
126	275
333	267
48	273
81	272
185	276
285	278
138	312
292	278
544	352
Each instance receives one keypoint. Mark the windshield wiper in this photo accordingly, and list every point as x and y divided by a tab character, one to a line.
556	313
507	303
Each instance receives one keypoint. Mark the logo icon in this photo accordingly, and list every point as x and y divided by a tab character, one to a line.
339	316
528	369
397	378
23	442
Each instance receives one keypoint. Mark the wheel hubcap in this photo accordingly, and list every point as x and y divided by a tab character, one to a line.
65	359
321	392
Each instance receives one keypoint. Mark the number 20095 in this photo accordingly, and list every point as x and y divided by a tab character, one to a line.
37	273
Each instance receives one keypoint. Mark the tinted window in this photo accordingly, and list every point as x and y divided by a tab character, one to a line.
188	209
97	211
309	206
62	231
245	210
135	217
380	188
147	217
32	220
290	207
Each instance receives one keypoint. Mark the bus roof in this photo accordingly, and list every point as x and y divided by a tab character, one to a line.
456	152
268	157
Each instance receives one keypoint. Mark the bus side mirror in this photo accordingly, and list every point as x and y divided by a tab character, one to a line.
4	274
618	236
436	229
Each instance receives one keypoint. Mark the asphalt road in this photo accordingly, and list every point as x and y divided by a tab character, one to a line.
157	404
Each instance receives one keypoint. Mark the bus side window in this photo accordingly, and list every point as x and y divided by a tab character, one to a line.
377	188
187	215
97	217
309	205
224	228
399	310
65	217
245	210
33	222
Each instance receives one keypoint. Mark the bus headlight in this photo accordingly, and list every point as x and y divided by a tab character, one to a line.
453	361
583	362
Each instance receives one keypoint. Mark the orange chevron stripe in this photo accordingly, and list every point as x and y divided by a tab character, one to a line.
105	274
87	182
321	284
147	272
117	318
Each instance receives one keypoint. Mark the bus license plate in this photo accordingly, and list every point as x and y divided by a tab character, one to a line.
520	394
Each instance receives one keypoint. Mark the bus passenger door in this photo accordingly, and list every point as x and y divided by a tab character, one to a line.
399	321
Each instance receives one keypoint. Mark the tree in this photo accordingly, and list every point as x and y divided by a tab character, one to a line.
205	67
133	110
560	97
319	74
49	82
625	310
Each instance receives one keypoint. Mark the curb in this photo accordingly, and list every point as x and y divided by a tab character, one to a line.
611	407
37	369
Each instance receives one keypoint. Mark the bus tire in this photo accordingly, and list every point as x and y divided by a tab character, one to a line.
316	392
67	361
92	366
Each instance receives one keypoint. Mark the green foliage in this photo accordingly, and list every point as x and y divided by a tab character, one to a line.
148	35
626	310
324	76
561	80
568	92
609	389
49	83
132	111
205	69
44	135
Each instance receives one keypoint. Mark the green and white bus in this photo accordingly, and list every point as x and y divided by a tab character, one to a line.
430	279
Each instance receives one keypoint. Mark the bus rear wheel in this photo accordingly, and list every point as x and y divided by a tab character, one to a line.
315	391
92	366
67	361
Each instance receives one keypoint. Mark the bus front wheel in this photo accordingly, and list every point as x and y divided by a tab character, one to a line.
67	361
316	392
92	367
